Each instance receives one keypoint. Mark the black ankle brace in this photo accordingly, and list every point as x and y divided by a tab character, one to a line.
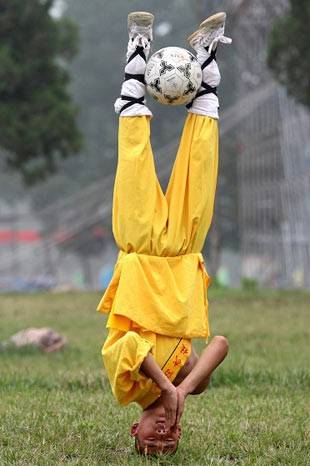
139	51
209	59
131	101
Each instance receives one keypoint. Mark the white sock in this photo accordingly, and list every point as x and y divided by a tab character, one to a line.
207	104
133	87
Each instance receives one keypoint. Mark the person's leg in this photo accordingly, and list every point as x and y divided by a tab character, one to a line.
137	193
191	190
192	186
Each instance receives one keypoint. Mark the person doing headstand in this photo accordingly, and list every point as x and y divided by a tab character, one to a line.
157	298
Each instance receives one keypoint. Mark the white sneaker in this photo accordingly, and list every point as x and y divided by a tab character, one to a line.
210	33
140	31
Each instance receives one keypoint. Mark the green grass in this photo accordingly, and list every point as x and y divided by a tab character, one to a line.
58	409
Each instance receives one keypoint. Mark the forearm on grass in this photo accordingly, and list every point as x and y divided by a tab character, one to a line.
197	380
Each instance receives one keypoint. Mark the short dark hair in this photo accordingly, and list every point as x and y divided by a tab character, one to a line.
139	450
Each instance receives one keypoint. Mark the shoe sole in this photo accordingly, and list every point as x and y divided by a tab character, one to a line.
141	18
216	19
213	20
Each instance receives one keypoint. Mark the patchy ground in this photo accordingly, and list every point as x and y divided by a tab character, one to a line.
58	409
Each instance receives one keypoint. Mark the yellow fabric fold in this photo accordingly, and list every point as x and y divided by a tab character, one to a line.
123	356
162	294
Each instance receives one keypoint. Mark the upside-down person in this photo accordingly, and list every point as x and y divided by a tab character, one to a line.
157	298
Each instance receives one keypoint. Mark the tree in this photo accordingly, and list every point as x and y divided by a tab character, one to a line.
37	115
289	53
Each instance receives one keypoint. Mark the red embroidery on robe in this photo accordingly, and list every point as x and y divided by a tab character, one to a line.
168	373
184	350
177	361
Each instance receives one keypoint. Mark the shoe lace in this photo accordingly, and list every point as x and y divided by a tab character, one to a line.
216	40
146	31
139	40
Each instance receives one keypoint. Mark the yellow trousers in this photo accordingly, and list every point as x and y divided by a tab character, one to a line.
157	296
147	221
160	281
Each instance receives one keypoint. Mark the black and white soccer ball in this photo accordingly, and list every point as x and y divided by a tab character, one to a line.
173	76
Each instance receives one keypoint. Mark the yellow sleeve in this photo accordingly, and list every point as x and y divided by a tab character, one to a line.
123	354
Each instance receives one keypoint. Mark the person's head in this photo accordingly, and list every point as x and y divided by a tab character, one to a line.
151	434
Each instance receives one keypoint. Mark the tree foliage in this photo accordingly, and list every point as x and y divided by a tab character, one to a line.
289	53
37	115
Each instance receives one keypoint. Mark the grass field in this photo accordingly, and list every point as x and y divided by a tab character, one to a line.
58	409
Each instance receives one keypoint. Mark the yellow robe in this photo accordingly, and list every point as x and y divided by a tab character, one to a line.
160	282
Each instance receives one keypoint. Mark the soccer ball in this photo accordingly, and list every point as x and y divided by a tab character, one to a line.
173	76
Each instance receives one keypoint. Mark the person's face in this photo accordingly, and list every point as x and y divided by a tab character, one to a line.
152	434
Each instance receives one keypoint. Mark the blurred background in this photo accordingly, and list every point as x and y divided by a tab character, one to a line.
61	67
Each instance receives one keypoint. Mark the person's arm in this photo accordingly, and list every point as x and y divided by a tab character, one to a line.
199	377
151	369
